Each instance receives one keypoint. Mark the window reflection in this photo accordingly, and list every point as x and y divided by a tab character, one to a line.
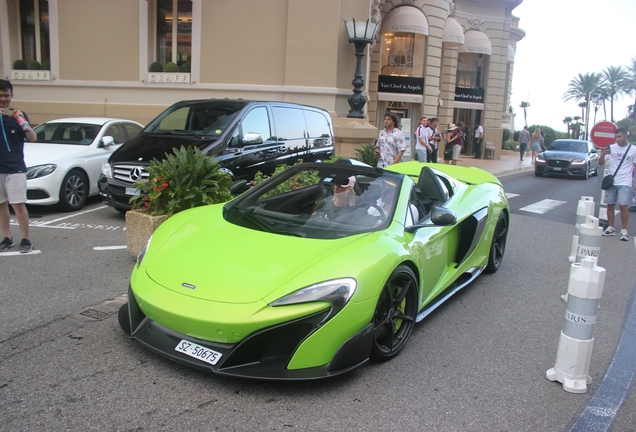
470	70
34	30
174	37
403	54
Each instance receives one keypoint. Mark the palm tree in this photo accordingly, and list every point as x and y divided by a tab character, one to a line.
576	127
525	106
615	84
582	87
630	83
567	121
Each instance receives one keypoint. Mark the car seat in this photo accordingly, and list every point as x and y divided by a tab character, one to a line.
76	135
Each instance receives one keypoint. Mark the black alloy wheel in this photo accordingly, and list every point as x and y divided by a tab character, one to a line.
498	245
74	191
395	313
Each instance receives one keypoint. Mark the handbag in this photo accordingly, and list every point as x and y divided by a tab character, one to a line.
608	180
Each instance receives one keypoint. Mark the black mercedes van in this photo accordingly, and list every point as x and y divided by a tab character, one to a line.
243	136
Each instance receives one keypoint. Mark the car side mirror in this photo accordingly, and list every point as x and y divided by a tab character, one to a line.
252	138
593	150
107	141
239	186
440	216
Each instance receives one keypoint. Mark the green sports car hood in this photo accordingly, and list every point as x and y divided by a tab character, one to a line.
250	265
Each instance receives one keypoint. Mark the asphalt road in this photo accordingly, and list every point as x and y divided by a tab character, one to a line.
477	363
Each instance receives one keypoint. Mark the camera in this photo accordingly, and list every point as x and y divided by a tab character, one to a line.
7	111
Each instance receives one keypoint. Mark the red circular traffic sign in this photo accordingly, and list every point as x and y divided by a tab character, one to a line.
602	134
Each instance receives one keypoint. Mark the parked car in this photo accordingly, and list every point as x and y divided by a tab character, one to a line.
574	158
65	162
243	136
334	287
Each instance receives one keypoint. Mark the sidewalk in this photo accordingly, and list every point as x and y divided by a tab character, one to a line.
508	164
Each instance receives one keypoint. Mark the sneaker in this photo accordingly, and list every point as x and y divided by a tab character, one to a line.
609	231
6	244
623	235
26	246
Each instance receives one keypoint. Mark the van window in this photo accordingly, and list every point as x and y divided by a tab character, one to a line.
176	120
290	123
317	124
257	120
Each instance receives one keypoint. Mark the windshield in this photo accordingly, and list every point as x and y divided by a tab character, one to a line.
319	201
203	118
66	133
569	146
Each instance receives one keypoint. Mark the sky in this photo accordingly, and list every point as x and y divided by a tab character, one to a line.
565	38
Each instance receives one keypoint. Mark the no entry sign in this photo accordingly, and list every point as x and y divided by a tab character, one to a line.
602	134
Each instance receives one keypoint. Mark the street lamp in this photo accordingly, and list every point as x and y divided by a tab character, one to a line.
360	34
596	101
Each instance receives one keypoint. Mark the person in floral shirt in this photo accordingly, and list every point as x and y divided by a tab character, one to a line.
391	142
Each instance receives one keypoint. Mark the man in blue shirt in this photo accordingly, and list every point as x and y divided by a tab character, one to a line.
13	186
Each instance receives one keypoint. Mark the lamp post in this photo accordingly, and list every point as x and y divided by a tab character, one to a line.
360	34
596	101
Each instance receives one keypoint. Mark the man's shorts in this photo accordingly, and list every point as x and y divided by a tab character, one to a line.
457	149
13	187
621	195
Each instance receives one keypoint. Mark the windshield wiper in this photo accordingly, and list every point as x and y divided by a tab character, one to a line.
257	219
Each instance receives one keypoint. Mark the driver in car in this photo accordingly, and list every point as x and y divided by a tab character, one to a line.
342	201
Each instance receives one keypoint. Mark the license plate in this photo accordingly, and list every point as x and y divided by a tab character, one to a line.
556	169
198	352
132	191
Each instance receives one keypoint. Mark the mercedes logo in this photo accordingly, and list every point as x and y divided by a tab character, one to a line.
135	174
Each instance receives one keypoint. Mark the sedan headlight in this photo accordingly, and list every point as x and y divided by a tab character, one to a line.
40	171
540	158
578	161
107	170
337	292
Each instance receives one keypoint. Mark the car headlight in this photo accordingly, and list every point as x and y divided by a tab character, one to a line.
107	170
337	292
539	158
578	161
142	253
40	171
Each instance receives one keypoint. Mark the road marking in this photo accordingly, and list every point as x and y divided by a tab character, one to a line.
511	195
100	248
71	216
542	206
33	252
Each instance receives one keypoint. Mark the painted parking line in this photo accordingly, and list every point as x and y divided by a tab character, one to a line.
511	195
101	248
542	206
71	216
33	252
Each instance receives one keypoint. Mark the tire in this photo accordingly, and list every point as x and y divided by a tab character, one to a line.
74	191
498	244
586	174
395	313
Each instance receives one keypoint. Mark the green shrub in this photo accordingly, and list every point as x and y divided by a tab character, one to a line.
46	65
172	67
155	67
186	67
509	145
186	179
19	64
366	154
506	134
34	65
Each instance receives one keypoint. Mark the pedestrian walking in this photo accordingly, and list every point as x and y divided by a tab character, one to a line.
434	139
479	139
422	147
391	142
524	137
622	158
535	144
13	184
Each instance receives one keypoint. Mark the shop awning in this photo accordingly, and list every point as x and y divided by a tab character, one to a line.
406	19
476	42
453	33
511	54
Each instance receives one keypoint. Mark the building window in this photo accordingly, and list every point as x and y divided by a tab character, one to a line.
470	70
174	31
34	30
402	54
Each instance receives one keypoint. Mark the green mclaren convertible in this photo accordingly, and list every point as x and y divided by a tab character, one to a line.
315	271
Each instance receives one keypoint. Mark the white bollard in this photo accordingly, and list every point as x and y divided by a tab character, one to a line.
574	353
584	208
589	244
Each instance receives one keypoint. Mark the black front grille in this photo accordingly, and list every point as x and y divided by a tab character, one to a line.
36	194
557	163
129	173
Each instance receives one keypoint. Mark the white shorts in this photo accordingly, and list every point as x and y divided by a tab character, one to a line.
13	187
457	149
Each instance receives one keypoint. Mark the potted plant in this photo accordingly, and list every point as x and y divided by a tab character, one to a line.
183	180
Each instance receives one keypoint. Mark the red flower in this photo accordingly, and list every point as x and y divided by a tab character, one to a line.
165	185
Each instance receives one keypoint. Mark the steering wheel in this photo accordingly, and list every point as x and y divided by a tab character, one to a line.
382	215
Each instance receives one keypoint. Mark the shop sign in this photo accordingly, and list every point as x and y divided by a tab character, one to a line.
30	75
168	78
469	94
399	84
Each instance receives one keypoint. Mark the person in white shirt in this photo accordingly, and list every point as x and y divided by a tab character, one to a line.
479	138
422	147
621	192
